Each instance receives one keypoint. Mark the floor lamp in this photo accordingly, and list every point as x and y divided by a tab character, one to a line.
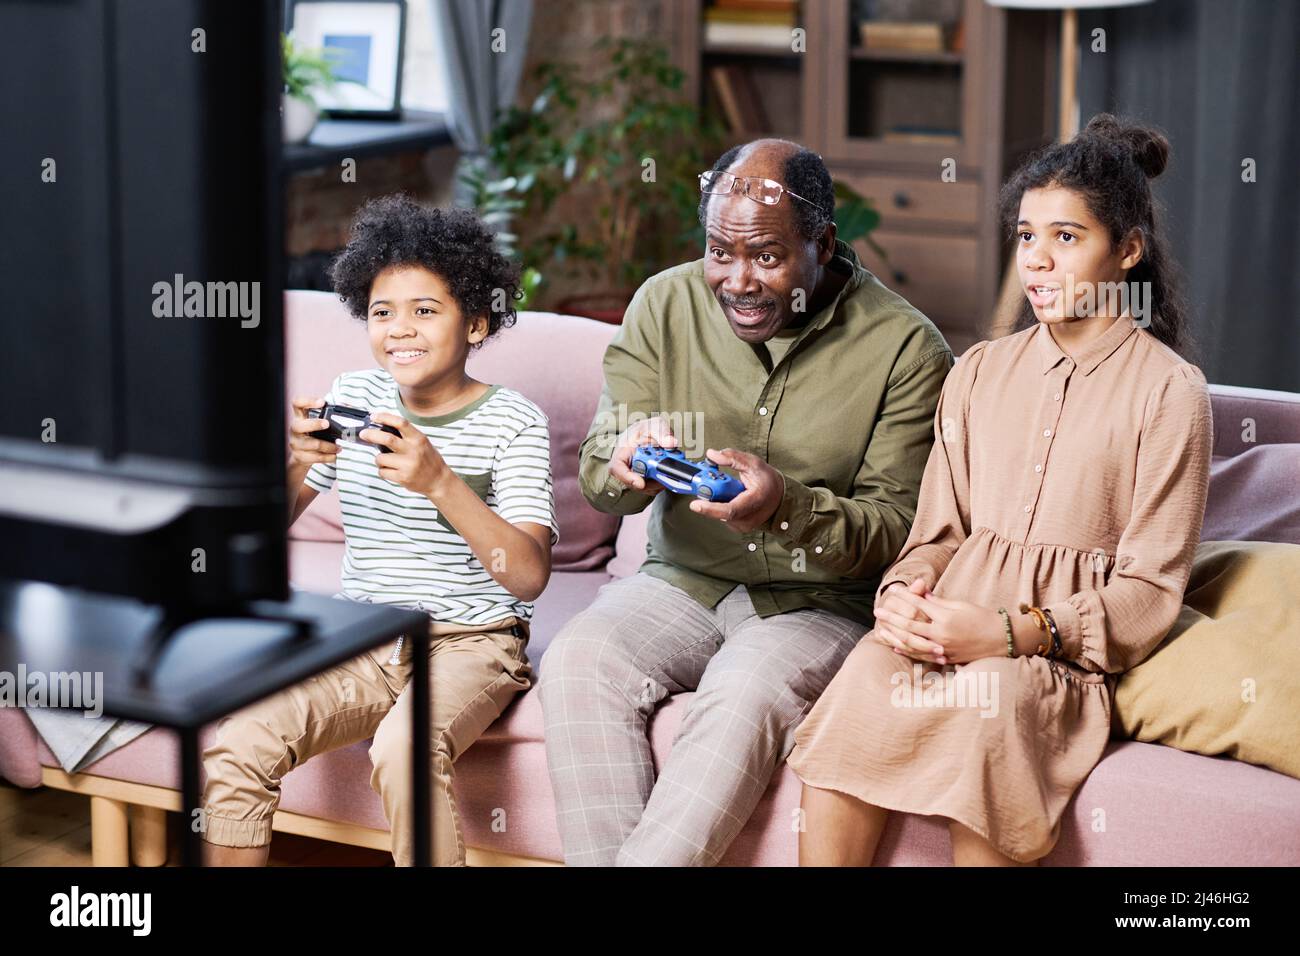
1067	122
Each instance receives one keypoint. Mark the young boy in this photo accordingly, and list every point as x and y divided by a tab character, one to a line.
455	517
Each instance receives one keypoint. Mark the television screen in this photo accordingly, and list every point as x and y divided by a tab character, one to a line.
142	439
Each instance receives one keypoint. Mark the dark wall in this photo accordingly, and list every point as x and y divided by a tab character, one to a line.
1220	77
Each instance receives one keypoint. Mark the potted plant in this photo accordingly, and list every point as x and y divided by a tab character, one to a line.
562	146
856	217
497	202
304	70
627	146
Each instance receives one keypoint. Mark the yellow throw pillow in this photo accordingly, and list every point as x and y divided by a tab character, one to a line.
1227	678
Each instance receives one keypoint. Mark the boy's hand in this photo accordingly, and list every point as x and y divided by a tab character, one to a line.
410	461
304	450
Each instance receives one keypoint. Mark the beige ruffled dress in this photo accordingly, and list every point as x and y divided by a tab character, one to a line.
1077	484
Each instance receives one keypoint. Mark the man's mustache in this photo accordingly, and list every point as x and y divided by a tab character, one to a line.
746	304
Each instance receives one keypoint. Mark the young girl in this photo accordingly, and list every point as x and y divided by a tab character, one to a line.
1058	515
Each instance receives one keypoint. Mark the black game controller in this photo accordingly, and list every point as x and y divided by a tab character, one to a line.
346	424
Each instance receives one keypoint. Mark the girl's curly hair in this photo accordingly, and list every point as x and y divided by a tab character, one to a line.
398	231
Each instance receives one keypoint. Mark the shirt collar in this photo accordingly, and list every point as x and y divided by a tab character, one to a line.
1092	354
853	265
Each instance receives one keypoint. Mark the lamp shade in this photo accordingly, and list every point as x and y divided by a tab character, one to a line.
1064	4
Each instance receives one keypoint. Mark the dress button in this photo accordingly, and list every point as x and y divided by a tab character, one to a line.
763	410
613	495
1038	467
785	526
1056	397
818	549
753	546
1047	433
1027	509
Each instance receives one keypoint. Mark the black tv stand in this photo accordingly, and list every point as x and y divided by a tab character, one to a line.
175	618
213	665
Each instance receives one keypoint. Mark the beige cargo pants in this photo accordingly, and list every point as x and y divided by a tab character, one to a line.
474	674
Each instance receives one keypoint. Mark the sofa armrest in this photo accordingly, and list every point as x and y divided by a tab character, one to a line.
1245	418
19	752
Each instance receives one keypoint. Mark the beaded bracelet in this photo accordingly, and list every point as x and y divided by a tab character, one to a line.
1006	626
1055	650
1040	622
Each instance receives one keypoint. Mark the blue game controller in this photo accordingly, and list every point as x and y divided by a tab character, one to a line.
676	472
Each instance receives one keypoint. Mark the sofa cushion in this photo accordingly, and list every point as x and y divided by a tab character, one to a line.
1254	496
1227	678
630	545
1150	805
555	360
322	340
567	593
1136	808
316	566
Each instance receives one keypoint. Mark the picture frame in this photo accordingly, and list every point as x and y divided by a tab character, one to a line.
366	40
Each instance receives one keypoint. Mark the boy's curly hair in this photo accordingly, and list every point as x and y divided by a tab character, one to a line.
398	231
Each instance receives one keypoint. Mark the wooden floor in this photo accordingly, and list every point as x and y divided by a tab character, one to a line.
46	827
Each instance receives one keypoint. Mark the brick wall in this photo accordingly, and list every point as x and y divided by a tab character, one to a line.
319	205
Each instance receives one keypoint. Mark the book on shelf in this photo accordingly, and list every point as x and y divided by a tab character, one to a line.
783	6
747	34
769	26
742	105
913	36
765	17
935	135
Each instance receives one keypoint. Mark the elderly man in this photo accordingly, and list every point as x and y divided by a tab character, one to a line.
817	387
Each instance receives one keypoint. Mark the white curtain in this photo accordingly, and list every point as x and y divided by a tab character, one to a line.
483	69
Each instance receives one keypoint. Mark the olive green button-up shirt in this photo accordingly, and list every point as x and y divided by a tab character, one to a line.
846	415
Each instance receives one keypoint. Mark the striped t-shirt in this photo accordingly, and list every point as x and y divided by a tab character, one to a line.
399	548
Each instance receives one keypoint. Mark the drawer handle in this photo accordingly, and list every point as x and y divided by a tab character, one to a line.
902	200
900	277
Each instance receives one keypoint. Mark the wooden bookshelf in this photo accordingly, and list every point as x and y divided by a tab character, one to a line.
746	49
888	121
907	56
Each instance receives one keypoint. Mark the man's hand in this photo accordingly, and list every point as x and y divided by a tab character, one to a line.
652	431
411	460
960	631
764	489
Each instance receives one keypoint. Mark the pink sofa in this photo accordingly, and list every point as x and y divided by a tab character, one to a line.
1163	806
